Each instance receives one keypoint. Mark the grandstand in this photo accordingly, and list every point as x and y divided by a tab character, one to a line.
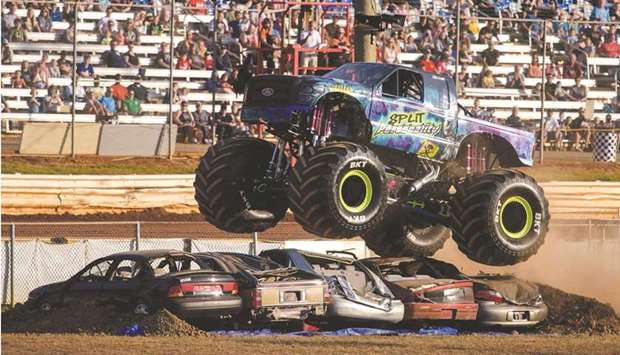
513	27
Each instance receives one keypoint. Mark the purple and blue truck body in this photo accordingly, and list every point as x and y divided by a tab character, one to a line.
428	123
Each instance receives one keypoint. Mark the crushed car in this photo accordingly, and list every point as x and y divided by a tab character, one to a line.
270	291
357	295
502	300
146	281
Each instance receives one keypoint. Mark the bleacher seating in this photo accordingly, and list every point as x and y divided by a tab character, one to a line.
501	99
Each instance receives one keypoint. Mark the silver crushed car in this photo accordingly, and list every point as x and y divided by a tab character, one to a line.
358	295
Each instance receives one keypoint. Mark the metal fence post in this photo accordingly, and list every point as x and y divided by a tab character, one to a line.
12	245
254	244
137	235
74	78
171	80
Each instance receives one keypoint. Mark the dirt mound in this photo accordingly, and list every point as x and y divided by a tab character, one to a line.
571	314
147	215
90	318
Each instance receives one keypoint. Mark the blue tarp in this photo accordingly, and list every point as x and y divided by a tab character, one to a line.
343	332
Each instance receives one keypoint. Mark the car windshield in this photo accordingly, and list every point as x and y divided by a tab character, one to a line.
368	74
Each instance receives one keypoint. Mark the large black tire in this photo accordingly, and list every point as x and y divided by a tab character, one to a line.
400	235
338	190
499	217
225	186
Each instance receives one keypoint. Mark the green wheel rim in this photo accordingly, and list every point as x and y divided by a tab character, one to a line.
529	217
352	174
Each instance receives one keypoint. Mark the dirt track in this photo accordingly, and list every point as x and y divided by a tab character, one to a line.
82	344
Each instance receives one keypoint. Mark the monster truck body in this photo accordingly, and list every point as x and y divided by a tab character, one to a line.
382	151
431	126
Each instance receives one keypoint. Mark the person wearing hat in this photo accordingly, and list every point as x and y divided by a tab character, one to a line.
140	90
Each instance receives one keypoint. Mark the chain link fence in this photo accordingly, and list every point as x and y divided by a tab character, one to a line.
35	254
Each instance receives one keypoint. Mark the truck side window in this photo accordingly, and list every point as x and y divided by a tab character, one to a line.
410	85
403	83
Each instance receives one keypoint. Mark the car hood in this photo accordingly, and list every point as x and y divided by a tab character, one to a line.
513	289
49	288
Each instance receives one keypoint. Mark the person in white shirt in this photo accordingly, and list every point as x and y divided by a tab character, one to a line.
107	23
552	129
310	38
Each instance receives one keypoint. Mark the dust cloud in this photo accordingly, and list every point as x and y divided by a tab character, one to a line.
570	259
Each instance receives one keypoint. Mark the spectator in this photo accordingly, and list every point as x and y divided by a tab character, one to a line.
17	33
17	82
224	121
553	130
119	92
339	41
34	104
54	69
610	48
53	102
223	60
94	107
44	20
40	78
476	110
579	92
203	121
534	70
140	90
224	86
131	58
132	35
198	55
463	80
487	81
107	23
163	59
85	69
490	55
514	120
441	66
64	64
112	58
516	79
560	94
185	46
131	105
184	119
235	25
577	125
27	70
426	63
208	62
549	88
310	39
9	18
108	102
391	52
31	24
97	90
572	69
183	62
266	42
175	94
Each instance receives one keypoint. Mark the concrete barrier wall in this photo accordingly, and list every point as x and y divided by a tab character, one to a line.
95	139
80	194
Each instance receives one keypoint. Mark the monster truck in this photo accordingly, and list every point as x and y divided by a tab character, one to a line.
380	151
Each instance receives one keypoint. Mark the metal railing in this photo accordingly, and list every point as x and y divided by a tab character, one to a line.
35	254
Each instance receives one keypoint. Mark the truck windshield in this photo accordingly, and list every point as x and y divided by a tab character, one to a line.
368	74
